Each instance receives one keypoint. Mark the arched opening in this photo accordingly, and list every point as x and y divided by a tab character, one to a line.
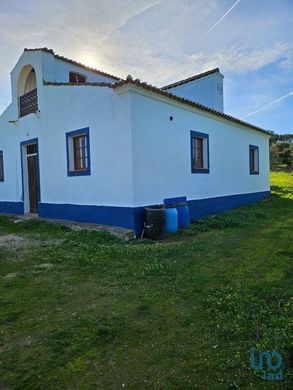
31	82
27	91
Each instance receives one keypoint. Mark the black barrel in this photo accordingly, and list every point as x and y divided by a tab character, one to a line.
155	222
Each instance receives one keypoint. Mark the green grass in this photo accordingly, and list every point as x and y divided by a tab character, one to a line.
84	310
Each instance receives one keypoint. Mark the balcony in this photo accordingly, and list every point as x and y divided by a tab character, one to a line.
28	103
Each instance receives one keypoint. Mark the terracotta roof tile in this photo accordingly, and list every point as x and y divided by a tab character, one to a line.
102	84
50	51
151	88
161	91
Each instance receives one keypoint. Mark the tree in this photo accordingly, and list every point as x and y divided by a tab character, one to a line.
274	155
275	138
281	150
286	157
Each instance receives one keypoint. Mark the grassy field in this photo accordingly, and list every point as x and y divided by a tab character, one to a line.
83	310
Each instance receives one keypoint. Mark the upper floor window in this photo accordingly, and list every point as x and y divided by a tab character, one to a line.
254	159
27	91
199	152
76	78
78	152
1	167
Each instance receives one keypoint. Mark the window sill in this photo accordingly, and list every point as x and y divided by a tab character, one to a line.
29	113
254	172
79	173
200	170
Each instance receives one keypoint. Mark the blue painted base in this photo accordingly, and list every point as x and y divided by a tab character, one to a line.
11	208
131	217
104	215
200	208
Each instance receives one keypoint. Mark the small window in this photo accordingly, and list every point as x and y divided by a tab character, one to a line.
31	149
76	78
78	152
199	152
253	160
1	167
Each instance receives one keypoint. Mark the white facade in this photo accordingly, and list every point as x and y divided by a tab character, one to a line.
161	150
138	155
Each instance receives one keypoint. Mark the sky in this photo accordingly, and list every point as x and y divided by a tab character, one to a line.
162	41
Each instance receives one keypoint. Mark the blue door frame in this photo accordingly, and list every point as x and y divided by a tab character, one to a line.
33	141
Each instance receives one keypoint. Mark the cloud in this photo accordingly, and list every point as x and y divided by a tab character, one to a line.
154	39
266	106
166	42
287	63
159	41
233	60
223	17
246	59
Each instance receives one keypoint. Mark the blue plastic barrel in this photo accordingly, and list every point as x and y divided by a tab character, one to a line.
171	221
183	215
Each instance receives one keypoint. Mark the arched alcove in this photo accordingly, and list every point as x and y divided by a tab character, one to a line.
27	91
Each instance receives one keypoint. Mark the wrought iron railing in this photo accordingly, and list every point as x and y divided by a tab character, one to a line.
28	103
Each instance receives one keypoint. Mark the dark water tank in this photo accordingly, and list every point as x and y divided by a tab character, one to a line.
155	222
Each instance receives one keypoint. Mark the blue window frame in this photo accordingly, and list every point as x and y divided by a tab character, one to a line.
199	150
254	160
1	166
78	152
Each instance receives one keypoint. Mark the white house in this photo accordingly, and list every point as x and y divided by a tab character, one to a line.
80	144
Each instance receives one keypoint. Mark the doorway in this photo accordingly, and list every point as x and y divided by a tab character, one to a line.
30	173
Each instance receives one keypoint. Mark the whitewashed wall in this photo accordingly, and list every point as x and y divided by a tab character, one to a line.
73	108
10	138
162	156
64	109
138	156
68	109
62	70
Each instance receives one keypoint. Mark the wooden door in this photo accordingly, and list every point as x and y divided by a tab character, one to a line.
33	182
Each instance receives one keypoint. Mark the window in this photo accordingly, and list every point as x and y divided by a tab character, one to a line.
76	78
78	152
27	91
253	160
31	149
199	152
1	167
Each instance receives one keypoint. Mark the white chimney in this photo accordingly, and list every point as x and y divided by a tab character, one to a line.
205	88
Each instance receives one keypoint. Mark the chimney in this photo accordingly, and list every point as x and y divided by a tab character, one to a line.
205	88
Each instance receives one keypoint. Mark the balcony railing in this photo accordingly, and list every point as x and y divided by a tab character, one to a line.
28	103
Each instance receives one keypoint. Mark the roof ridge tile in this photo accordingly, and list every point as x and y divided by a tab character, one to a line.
129	80
70	61
192	78
188	102
93	84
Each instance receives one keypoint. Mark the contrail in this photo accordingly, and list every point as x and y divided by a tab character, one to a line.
269	104
223	17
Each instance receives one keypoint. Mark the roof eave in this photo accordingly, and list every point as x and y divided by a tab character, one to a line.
68	60
187	102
